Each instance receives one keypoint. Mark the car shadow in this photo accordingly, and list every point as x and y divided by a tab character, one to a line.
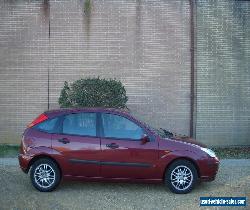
114	186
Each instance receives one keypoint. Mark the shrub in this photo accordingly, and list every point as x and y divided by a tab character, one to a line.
93	92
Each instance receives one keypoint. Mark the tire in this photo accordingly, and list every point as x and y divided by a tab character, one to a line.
45	175
181	176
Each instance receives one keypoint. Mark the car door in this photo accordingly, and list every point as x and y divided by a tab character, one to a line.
123	154
79	144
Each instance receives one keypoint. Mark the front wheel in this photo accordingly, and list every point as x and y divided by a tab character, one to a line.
181	176
45	175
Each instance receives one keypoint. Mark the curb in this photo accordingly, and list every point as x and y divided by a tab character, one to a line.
8	161
235	162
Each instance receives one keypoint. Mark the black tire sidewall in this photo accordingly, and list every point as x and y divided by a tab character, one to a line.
168	172
55	168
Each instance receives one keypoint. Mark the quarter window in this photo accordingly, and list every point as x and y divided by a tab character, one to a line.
80	124
115	126
48	126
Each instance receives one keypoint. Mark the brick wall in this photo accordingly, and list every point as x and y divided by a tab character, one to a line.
223	72
23	66
145	44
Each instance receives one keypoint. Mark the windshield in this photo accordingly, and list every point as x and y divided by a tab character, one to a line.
163	133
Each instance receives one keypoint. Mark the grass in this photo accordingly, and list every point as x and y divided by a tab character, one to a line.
8	150
233	152
222	153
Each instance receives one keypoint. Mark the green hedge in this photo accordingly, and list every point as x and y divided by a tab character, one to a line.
93	92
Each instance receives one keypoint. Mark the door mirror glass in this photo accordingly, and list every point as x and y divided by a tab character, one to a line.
144	139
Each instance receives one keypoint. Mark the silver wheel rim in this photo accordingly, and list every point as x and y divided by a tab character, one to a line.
44	176
181	177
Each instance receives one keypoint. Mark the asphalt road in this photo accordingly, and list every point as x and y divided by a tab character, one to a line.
16	191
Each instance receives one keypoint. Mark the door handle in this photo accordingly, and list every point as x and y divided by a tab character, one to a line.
112	145
64	140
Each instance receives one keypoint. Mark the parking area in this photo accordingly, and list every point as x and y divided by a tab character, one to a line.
17	192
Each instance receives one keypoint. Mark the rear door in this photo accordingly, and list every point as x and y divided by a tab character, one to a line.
79	144
123	154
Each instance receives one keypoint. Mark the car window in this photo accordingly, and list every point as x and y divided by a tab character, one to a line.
48	125
80	124
115	126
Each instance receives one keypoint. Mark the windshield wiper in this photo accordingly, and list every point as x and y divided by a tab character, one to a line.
168	134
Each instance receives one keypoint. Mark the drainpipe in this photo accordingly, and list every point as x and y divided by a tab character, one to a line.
48	3
192	62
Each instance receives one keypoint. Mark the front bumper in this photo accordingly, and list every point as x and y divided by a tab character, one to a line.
24	161
208	169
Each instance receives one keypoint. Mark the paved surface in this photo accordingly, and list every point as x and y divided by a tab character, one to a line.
8	162
16	191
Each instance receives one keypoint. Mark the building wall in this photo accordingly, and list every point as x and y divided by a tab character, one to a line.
145	44
223	72
23	66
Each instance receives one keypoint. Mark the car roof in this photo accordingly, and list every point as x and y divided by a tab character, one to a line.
61	111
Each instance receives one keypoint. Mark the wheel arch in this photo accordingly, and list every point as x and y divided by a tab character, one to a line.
182	158
43	156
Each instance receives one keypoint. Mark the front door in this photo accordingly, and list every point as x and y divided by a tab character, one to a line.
78	145
123	154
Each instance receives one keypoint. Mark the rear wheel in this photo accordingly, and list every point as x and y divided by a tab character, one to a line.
45	175
181	176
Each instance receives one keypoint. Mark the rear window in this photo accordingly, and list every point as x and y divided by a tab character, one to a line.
48	126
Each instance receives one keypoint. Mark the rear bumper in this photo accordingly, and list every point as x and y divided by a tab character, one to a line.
24	161
209	169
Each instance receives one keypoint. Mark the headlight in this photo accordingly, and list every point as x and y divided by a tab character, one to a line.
210	152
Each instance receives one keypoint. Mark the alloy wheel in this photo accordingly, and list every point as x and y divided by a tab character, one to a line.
44	175
181	177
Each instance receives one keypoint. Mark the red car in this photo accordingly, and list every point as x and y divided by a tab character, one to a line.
108	144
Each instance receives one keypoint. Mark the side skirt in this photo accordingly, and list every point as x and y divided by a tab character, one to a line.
97	179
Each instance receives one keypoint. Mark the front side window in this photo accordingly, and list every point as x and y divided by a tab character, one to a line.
80	124
115	126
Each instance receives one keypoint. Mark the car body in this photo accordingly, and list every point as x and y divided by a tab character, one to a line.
109	144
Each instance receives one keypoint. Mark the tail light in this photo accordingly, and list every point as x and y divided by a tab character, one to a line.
39	119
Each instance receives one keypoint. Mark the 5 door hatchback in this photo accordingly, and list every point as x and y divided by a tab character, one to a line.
109	144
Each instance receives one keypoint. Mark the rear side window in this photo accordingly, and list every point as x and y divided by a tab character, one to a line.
48	126
83	124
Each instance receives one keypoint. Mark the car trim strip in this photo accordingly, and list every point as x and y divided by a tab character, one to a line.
144	165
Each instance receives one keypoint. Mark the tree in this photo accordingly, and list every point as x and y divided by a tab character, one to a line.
93	92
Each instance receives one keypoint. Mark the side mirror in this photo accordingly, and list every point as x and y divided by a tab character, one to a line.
145	139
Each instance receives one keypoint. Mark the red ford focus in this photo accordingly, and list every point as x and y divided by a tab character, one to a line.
108	144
